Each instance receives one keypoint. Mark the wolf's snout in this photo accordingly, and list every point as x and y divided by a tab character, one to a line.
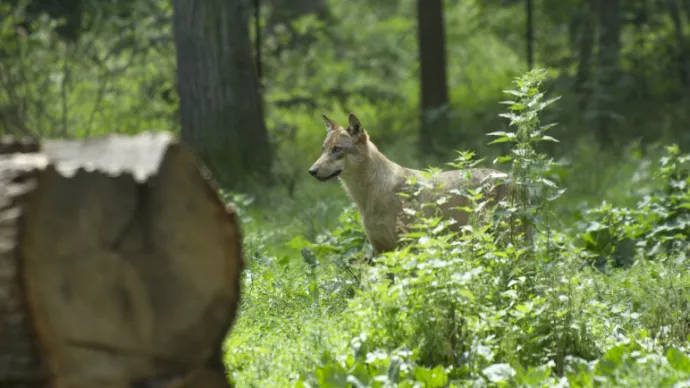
313	171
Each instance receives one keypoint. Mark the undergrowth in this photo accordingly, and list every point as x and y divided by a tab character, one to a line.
600	301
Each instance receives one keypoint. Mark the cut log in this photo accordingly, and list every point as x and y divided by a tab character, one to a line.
10	145
119	266
19	362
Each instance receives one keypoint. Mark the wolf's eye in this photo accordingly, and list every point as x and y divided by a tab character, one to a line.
337	149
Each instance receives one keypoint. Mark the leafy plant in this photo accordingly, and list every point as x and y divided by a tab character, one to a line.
658	227
534	189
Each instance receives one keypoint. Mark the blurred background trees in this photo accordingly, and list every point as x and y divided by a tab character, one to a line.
424	76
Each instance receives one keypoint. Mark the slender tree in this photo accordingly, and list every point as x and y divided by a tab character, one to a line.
585	19
682	60
433	79
608	73
220	104
529	33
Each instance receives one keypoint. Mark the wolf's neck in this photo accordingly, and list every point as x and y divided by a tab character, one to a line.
373	179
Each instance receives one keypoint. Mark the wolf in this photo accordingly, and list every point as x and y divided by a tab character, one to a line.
375	184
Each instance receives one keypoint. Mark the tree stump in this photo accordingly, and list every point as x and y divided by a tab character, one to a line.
119	265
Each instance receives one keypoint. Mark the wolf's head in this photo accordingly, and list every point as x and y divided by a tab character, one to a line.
342	148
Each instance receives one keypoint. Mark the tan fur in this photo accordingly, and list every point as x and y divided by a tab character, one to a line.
373	182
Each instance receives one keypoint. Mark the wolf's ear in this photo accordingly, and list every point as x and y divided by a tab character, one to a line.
330	124
354	127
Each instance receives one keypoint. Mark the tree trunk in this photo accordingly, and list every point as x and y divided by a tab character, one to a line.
682	57
529	33
220	105
585	47
433	79
119	265
608	71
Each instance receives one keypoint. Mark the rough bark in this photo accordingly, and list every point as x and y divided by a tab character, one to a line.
20	364
220	105
119	266
433	78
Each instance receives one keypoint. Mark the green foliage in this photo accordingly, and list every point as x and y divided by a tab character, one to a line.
470	310
657	227
530	170
119	77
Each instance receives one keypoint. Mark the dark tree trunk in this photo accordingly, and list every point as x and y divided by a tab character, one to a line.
586	27
434	86
220	104
608	71
682	60
529	34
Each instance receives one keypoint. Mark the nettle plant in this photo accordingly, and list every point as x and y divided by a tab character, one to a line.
534	191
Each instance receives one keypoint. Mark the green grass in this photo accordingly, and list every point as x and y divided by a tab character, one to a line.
298	321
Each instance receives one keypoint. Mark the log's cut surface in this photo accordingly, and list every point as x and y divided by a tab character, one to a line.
122	265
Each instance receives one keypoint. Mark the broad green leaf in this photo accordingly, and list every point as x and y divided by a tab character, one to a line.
678	360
